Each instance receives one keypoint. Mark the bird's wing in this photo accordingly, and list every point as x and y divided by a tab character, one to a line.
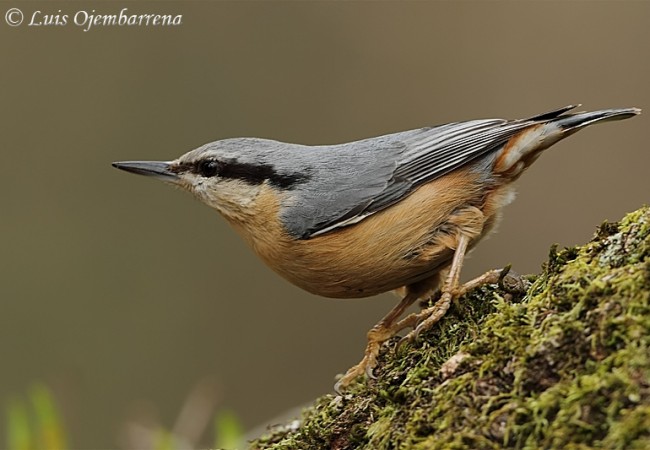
364	177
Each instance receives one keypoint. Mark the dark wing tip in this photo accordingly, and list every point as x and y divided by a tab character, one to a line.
553	114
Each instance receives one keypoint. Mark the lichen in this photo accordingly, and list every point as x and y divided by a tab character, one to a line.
564	365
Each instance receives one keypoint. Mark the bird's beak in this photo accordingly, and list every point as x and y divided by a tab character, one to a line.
156	169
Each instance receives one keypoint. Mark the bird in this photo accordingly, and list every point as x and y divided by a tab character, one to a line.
397	212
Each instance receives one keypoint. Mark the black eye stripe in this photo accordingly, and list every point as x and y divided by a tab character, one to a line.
251	173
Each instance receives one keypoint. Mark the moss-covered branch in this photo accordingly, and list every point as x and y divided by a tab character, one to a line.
565	365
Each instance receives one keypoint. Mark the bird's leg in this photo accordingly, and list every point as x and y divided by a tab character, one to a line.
389	326
429	316
426	318
382	331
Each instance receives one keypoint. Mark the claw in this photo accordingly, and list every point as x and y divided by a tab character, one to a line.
504	272
405	341
345	380
366	365
369	372
338	387
410	338
417	331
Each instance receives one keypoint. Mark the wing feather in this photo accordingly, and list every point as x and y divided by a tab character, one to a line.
372	174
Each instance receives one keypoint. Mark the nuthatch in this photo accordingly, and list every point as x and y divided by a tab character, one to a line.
380	214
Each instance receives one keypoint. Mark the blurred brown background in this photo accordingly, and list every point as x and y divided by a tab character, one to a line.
116	289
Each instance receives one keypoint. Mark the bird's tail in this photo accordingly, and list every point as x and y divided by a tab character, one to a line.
545	130
572	122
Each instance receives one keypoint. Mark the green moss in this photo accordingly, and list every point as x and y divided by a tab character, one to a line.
565	365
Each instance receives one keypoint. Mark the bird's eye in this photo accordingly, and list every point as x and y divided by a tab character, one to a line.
208	168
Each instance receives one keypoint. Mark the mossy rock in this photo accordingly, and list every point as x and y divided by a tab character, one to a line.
564	365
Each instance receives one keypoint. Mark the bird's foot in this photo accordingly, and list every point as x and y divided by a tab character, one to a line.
425	319
379	334
420	322
428	317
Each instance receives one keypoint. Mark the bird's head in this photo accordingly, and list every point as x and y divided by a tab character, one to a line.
227	175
